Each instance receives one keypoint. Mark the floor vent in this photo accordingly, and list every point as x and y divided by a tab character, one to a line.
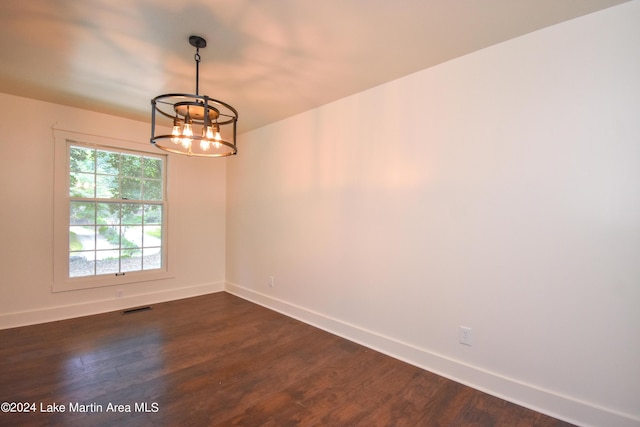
136	310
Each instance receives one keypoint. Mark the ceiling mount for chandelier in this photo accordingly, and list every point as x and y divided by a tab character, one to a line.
200	126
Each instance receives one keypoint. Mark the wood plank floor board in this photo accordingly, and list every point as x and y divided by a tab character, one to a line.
217	360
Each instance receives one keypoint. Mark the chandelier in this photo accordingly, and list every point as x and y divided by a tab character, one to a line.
200	126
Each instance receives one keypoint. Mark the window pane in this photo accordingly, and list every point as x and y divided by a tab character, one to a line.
108	237
81	185
107	187
131	260
82	159
82	238
131	166
82	264
152	258
82	213
152	189
132	213
75	244
108	213
152	235
108	262
108	162
153	214
131	188
152	168
132	236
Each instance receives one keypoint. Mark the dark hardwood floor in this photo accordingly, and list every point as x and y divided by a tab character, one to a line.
218	360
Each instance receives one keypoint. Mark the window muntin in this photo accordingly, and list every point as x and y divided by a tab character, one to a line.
116	205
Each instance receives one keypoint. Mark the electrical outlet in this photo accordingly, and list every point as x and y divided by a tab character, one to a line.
465	335
271	281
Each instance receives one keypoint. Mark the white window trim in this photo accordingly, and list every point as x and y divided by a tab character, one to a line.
61	280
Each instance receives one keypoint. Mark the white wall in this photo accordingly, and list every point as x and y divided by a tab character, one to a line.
196	191
500	191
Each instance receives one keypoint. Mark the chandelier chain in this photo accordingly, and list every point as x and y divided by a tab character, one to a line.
197	59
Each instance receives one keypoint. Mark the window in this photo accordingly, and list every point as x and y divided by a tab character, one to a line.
115	211
112	213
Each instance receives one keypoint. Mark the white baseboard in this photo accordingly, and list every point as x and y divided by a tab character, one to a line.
51	314
544	401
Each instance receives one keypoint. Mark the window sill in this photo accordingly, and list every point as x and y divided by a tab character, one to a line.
74	284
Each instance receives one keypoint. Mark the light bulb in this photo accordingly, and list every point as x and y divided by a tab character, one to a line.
187	133
187	129
205	145
175	132
208	133
217	137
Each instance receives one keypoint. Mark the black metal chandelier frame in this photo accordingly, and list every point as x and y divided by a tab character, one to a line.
200	125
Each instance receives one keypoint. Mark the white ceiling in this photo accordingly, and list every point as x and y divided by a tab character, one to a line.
270	59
